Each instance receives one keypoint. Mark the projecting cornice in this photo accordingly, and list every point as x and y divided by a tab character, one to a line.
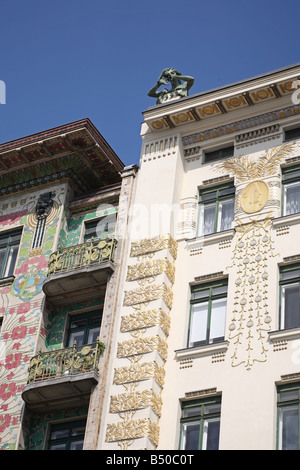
224	101
76	151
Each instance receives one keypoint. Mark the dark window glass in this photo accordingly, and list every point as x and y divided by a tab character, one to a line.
200	424
292	134
218	154
67	436
9	246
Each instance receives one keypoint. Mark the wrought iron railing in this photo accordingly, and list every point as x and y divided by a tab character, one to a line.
62	362
92	252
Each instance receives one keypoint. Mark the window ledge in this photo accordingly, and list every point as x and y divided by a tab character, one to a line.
209	239
287	219
281	335
200	351
7	281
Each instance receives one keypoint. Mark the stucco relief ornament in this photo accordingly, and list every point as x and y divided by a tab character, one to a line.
180	85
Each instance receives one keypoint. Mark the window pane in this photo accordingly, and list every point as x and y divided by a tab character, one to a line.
288	428
60	434
192	411
198	328
207	219
190	436
200	294
211	431
290	274
78	445
58	446
76	336
2	256
292	198
225	215
10	265
217	322
93	334
289	395
290	306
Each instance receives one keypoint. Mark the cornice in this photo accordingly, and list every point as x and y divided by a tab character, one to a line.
245	95
76	147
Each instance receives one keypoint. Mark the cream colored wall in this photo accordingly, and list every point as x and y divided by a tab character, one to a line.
245	373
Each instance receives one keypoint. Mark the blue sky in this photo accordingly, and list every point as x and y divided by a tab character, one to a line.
64	60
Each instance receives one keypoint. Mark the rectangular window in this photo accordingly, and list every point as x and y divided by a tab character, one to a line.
291	190
292	134
288	402
207	314
200	424
84	328
216	209
9	246
67	436
101	228
226	152
289	297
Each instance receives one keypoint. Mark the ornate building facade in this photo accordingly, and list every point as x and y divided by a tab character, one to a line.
206	350
156	307
64	197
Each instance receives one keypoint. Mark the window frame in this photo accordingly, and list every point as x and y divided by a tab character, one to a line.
218	154
200	418
287	403
209	299
217	199
93	224
292	131
7	246
69	425
285	282
88	315
288	180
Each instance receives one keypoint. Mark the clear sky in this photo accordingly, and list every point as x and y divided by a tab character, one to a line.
65	60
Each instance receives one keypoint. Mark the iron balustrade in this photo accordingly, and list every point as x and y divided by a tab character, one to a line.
68	361
91	253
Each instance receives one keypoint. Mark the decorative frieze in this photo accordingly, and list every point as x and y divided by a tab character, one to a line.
135	401
151	245
141	346
150	269
155	277
138	372
141	319
133	429
148	293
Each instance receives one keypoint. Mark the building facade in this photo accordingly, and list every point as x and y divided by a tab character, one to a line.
156	307
206	350
64	195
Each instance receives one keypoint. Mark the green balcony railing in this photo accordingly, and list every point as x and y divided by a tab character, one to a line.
91	253
68	361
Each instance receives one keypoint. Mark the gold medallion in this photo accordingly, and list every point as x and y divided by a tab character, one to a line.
254	197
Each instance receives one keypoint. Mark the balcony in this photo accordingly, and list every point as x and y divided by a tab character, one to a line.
77	273
62	378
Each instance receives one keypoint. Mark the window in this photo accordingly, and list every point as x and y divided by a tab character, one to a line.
9	246
84	328
67	436
218	154
101	228
292	134
216	209
289	297
200	424
291	190
288	417
207	315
